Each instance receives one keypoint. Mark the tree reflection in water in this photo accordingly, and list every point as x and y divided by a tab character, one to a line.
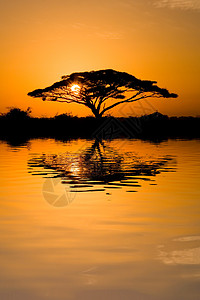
99	164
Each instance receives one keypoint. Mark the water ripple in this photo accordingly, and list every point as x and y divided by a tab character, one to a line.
100	164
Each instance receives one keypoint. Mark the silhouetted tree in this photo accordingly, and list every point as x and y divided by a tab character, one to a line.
101	90
17	114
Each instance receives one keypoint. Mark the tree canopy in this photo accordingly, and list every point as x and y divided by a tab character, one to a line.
101	90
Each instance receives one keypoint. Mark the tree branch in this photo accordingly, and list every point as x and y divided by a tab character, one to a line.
127	100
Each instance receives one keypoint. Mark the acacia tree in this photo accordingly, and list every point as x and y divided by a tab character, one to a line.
101	90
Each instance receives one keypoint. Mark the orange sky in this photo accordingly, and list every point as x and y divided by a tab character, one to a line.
42	40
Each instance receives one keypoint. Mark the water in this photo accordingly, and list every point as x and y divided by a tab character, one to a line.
112	220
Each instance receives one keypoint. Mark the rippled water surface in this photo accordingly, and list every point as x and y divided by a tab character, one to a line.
100	220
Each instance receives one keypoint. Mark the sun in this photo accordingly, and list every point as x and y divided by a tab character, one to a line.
75	88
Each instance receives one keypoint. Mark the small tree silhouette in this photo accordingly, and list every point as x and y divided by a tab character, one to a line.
101	90
17	114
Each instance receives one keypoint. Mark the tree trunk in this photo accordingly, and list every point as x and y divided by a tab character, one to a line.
94	110
98	116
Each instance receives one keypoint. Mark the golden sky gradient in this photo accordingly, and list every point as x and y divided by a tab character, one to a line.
42	40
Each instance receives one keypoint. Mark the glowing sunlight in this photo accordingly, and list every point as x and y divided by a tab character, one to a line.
75	88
